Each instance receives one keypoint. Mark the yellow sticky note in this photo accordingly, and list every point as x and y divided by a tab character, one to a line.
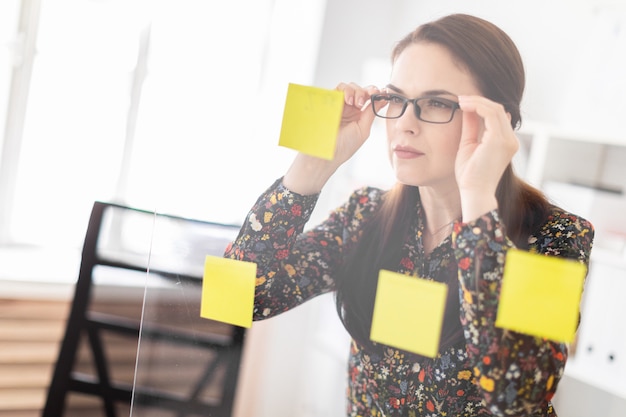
540	295
311	120
228	291
408	313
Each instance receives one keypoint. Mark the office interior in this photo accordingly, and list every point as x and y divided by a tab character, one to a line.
175	107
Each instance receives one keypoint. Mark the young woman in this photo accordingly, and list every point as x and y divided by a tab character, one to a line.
451	107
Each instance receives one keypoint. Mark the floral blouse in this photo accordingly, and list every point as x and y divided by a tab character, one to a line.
487	371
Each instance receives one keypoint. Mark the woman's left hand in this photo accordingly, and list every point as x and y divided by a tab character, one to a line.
487	146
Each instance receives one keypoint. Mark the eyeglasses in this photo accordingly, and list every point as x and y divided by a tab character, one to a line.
427	109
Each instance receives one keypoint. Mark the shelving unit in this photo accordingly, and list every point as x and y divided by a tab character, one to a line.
590	182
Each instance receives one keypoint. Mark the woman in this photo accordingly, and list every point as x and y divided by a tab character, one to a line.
451	108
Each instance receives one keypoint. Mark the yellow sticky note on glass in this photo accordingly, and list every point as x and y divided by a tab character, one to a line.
541	295
228	291
408	313
311	120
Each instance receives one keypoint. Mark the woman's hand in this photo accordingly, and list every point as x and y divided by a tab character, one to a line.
356	120
308	174
487	146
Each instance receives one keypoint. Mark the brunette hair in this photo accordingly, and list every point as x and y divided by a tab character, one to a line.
493	60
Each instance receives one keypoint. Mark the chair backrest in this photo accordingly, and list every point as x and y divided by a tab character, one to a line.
160	259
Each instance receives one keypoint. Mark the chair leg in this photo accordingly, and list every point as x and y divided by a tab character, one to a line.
60	383
202	381
102	370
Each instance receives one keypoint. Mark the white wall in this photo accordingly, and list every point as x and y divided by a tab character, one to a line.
564	43
574	53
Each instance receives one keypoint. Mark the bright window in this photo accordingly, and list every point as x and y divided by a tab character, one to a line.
164	105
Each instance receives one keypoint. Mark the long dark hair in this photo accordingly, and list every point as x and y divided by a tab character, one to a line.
493	60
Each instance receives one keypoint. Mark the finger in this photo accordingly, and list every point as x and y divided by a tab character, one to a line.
367	110
471	126
493	114
361	95
369	90
496	121
348	92
354	94
372	89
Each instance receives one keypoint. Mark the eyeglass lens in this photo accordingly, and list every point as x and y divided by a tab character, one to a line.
428	109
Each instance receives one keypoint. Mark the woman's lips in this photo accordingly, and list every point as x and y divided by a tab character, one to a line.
406	152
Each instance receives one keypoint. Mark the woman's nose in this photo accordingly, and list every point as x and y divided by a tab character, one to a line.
408	122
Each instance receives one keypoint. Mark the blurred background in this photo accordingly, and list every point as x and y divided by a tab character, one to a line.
176	107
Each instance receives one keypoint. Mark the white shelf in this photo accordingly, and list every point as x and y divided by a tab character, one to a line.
589	374
578	135
556	159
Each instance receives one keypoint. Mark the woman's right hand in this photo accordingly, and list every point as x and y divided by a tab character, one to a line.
356	120
308	174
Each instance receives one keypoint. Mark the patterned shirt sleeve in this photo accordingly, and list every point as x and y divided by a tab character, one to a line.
292	266
516	373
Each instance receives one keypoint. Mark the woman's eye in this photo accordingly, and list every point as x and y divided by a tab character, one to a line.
439	104
396	100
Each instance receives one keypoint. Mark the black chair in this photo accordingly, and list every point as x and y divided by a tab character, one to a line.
165	255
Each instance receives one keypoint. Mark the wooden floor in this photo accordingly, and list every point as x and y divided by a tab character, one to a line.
30	336
31	331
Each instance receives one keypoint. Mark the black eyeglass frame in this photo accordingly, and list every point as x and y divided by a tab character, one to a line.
417	110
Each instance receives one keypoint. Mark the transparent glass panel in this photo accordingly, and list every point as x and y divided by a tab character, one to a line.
111	286
186	365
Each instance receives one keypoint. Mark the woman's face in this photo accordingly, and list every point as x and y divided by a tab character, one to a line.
422	153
